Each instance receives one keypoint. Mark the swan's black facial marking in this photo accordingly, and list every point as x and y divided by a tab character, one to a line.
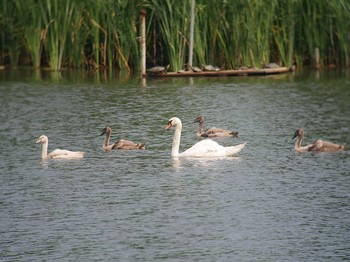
104	130
295	134
169	124
298	132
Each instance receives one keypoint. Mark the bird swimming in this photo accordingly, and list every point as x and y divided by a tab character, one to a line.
212	132
204	148
318	146
121	144
58	153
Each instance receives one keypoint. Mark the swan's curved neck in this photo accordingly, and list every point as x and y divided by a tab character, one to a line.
176	140
200	129
298	142
106	143
44	149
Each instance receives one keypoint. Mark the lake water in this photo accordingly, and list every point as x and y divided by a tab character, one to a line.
268	203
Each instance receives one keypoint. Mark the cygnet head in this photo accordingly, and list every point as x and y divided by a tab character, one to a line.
106	130
199	119
173	122
42	139
299	132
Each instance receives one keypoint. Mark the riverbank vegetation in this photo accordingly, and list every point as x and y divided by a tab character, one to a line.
58	34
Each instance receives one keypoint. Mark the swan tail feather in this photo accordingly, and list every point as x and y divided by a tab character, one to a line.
232	150
234	134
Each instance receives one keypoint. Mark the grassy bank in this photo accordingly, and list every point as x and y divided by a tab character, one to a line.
92	34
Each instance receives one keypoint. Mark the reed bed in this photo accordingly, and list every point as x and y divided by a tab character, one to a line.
94	34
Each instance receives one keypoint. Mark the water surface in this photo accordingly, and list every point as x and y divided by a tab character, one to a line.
268	203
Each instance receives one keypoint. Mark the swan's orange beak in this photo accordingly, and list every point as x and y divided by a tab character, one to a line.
168	125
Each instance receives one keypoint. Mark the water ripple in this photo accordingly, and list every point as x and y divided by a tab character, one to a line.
268	203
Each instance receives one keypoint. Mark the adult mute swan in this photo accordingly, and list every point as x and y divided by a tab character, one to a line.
212	132
120	144
58	153
204	148
318	146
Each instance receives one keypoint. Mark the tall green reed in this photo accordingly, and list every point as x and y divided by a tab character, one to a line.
283	32
124	32
171	24
11	34
93	34
57	16
339	26
31	26
77	38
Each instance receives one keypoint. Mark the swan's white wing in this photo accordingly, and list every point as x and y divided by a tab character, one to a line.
61	153
232	150
205	148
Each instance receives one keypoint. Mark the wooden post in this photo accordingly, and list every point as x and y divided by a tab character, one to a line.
190	53
143	14
317	58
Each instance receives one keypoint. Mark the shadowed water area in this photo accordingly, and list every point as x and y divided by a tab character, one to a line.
268	203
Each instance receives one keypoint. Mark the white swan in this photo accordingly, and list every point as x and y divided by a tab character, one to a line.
58	153
204	148
318	146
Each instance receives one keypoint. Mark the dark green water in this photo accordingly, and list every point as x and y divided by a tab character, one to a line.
266	204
